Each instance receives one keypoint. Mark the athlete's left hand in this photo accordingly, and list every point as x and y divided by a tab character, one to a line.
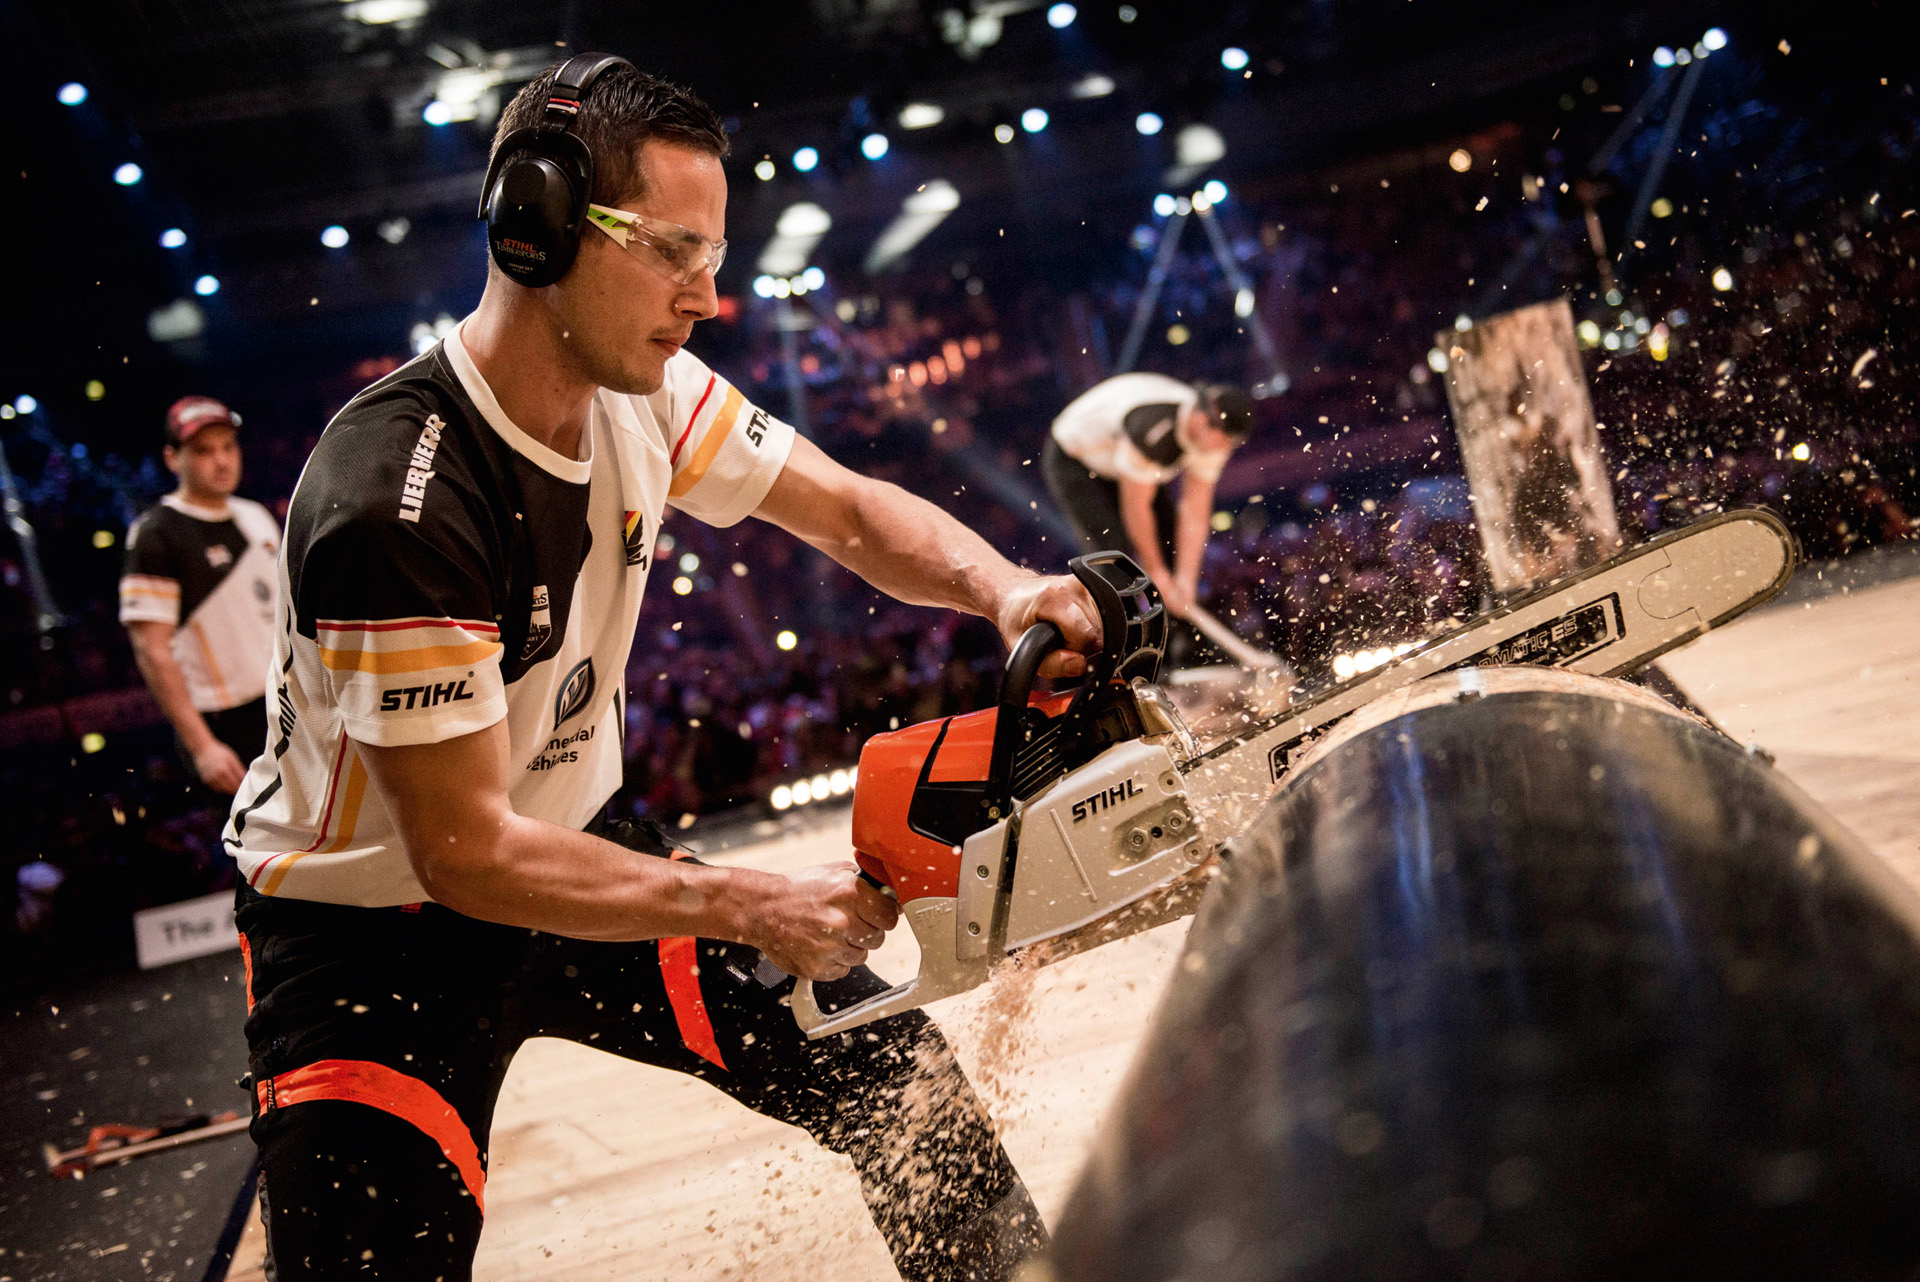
1061	600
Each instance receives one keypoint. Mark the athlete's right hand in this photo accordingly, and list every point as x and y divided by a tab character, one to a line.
826	922
219	767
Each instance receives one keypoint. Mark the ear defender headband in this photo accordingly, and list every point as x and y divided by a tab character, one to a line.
540	181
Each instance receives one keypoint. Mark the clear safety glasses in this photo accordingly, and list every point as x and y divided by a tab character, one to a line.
680	253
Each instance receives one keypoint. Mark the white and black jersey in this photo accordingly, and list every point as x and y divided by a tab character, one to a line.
443	570
210	573
1133	427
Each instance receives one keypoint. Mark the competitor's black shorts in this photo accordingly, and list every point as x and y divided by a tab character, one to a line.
379	1037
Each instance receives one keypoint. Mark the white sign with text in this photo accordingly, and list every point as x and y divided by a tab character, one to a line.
190	928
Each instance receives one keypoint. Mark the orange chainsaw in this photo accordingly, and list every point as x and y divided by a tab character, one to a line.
1045	817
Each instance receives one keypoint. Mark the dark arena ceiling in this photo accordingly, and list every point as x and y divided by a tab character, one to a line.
258	124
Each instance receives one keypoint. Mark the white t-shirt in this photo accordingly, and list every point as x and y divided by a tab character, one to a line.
444	570
1134	427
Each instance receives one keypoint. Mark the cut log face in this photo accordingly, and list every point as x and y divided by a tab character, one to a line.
1533	979
1541	494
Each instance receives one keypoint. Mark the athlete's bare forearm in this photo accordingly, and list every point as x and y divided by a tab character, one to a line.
153	654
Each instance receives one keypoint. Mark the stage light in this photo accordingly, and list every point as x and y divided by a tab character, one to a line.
1243	302
763	286
682	585
689	562
1661	207
1033	120
873	146
73	93
1460	161
1436	360
1178	334
1802	452
334	237
813	278
921	115
95	389
1061	16
1233	58
1148	123
172	238
1215	190
92	741
376	13
802	792
1462	323
1197	146
1682	56
1611	340
1663	57
782	798
1715	39
1093	86
1128	13
394	230
1589	332
786	640
739	569
103	539
127	175
782	287
1003	133
24	404
437	113
1163	205
764	170
1201	204
805	159
207	286
839	782
1722	279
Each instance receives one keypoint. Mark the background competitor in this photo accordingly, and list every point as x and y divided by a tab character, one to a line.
428	877
1110	461
196	597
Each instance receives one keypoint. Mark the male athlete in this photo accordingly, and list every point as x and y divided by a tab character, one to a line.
197	597
428	879
1115	449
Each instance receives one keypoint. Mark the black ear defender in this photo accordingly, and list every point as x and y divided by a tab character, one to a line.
541	180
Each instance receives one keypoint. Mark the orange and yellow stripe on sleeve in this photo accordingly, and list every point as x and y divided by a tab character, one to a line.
149	597
388	647
709	447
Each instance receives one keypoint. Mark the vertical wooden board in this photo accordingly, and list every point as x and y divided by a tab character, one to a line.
1541	494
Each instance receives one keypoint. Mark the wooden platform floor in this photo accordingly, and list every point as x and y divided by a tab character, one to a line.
604	1169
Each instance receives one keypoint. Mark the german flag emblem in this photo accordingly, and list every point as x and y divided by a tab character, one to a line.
635	533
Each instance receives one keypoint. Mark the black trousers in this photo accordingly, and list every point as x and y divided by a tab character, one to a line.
242	728
379	1038
1091	503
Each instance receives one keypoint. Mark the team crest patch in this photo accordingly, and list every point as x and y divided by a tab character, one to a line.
575	692
539	624
635	533
219	555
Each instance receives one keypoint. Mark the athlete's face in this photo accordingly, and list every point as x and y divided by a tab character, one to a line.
208	465
626	314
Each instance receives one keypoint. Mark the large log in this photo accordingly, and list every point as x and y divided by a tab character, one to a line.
1525	975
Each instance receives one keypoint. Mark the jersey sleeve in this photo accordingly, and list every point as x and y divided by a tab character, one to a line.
404	616
149	581
725	452
1208	465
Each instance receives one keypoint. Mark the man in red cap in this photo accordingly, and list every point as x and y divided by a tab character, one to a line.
197	596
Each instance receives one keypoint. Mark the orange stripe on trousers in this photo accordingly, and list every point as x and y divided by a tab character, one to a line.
680	972
359	1081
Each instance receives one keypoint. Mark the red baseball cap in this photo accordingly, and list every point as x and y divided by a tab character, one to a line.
190	414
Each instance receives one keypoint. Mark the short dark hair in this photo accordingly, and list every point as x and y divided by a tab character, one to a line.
1230	408
625	108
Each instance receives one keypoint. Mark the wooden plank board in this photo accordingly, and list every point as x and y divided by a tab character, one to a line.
604	1169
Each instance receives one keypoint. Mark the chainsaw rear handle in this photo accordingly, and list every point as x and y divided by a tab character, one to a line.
1133	623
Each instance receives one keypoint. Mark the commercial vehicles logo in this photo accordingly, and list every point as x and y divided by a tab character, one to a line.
634	532
539	623
575	692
